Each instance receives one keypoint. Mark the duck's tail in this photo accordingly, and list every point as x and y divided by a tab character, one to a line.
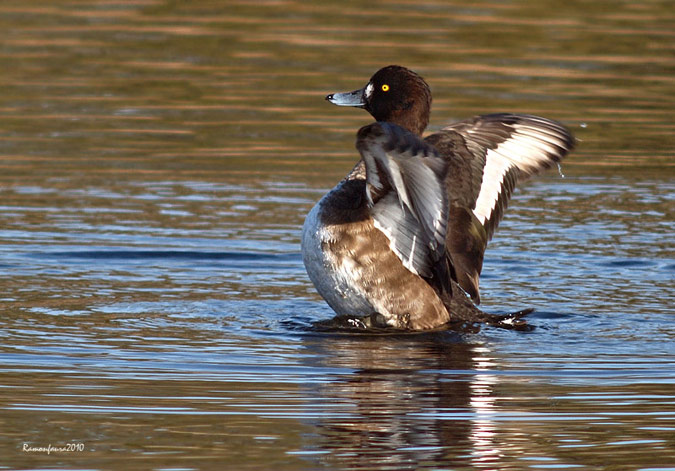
463	310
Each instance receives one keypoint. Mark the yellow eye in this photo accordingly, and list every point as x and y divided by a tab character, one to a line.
385	88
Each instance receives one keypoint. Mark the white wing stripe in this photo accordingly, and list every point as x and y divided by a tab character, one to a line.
522	153
496	167
528	149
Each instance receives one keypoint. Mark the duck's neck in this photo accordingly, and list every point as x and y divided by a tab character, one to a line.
412	115
413	122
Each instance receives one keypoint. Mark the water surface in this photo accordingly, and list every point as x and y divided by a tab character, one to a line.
156	163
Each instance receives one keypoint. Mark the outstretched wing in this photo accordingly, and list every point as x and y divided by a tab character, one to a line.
487	156
405	192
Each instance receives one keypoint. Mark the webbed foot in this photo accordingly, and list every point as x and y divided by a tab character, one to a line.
513	321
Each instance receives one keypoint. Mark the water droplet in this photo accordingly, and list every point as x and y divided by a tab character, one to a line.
562	175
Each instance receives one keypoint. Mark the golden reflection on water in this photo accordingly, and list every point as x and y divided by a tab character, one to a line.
158	159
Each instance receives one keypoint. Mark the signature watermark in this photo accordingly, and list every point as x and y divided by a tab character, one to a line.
49	449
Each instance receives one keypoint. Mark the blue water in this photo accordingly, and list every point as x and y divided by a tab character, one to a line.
208	319
157	160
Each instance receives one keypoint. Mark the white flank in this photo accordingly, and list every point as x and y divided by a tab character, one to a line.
337	281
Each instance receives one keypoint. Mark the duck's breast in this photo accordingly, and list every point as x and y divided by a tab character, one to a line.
335	277
354	269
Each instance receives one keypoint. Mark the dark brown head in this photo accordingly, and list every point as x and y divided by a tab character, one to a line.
395	95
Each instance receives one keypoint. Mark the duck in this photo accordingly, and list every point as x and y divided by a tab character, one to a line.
399	242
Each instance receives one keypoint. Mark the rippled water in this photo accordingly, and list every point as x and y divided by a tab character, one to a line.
156	163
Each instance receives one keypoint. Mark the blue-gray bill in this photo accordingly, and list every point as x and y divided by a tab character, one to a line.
355	98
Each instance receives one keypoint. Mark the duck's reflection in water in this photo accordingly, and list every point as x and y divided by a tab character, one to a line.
405	402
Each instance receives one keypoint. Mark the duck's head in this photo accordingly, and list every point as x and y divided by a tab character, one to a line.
395	95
